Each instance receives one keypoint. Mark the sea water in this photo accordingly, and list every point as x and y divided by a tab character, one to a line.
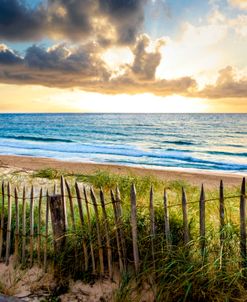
191	141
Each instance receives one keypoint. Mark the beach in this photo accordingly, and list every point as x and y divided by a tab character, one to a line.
195	177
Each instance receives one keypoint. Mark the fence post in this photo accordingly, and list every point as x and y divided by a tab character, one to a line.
152	223
31	225
106	227
134	228
2	222
62	184
16	226
243	225
117	232
72	214
84	245
89	231
120	227
101	257
59	229
185	217
202	222
8	243
46	230
39	224
222	224
166	219
55	189
23	254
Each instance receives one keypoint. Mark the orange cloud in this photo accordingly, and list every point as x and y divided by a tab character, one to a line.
242	4
226	86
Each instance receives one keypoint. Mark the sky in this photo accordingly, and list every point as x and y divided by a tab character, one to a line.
123	56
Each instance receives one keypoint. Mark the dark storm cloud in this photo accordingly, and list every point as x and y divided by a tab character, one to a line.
18	22
70	19
126	15
109	21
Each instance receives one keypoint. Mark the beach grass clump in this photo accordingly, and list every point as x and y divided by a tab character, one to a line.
109	181
48	173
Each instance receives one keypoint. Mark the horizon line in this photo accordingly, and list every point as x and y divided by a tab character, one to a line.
92	112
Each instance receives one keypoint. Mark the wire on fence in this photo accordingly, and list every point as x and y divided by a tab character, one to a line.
117	201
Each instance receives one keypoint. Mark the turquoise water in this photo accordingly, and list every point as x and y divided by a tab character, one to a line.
197	141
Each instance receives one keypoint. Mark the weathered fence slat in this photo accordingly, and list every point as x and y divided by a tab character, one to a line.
84	245
72	212
23	254
152	223
222	224
222	211
119	213
106	228
185	217
62	184
39	225
134	228
2	222
202	221
46	230
99	239
59	229
8	241
166	220
16	226
89	231
31	225
55	189
243	225
117	232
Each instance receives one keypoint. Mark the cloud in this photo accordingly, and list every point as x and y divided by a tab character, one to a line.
145	63
18	22
8	57
70	19
127	17
82	67
83	60
239	25
226	86
163	87
242	4
108	21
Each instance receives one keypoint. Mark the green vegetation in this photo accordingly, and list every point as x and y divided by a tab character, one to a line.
179	272
48	173
108	181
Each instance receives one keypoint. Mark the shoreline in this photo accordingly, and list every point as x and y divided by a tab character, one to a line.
209	178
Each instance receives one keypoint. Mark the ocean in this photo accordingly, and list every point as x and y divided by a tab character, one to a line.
189	141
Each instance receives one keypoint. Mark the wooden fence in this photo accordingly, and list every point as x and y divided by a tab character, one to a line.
27	221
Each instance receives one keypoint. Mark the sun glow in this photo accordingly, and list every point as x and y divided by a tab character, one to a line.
139	103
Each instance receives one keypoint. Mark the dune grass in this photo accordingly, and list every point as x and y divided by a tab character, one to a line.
179	273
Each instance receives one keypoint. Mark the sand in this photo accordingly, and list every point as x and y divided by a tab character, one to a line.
33	285
194	177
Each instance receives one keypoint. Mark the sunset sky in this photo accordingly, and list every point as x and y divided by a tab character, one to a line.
123	56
